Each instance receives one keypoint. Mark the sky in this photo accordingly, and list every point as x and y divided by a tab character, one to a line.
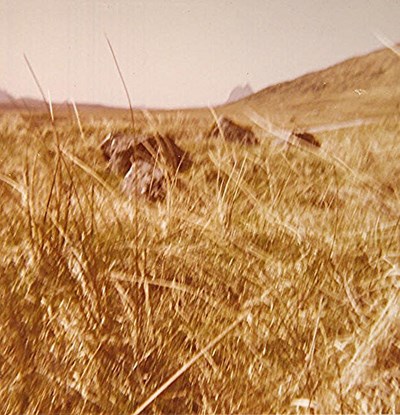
180	53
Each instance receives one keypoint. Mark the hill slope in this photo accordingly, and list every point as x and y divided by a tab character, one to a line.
361	87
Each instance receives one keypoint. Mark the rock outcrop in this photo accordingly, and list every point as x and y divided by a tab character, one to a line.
232	132
240	92
146	162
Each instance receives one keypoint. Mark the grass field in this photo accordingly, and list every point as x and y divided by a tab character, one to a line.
268	282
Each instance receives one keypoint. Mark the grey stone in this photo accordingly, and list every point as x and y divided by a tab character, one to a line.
120	149
145	179
146	162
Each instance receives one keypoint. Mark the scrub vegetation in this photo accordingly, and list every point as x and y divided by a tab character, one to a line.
266	282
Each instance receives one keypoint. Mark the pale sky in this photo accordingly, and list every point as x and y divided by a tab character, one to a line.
177	53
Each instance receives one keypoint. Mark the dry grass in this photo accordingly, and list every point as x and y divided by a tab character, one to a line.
269	284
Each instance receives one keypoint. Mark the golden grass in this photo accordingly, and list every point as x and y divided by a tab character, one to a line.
267	283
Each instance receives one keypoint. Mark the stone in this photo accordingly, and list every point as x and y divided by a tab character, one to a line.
232	132
145	161
145	179
305	138
120	149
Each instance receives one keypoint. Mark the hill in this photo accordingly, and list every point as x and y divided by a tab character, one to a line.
361	87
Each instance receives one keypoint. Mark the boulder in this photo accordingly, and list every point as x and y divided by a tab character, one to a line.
305	138
232	132
145	179
145	162
119	149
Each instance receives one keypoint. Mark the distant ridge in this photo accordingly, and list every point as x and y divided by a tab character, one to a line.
240	92
352	91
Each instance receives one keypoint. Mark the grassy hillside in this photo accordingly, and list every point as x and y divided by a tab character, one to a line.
362	87
267	283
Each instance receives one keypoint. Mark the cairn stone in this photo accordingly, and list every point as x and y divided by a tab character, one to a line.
145	162
232	132
120	149
145	179
305	138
